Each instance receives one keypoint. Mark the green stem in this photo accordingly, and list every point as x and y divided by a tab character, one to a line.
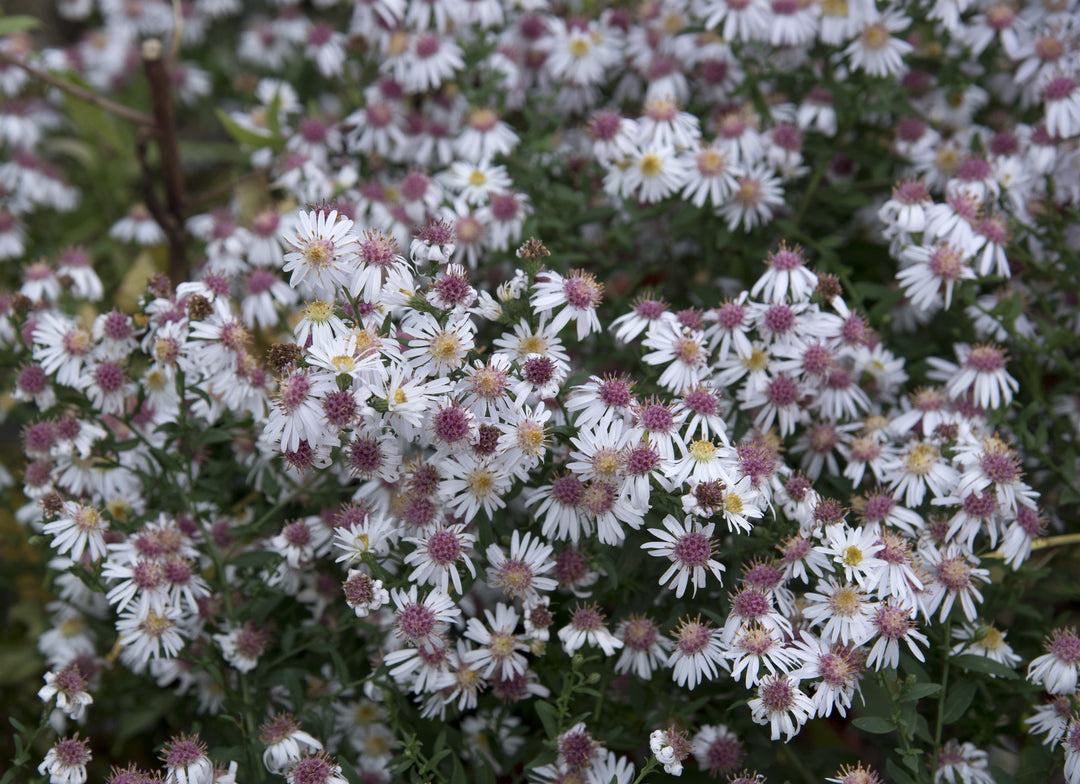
811	189
944	689
650	766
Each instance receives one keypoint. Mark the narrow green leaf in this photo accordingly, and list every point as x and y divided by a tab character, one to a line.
20	23
243	135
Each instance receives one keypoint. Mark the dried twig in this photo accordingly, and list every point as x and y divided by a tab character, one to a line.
79	92
172	219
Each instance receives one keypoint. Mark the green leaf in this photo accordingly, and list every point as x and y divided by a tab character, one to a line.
549	717
875	725
919	690
244	135
975	663
255	559
18	24
897	773
957	701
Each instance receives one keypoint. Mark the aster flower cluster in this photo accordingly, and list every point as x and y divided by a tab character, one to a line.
387	403
383	467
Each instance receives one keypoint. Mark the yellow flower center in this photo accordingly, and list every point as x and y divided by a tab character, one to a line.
578	48
319	311
853	556
650	164
702	451
445	346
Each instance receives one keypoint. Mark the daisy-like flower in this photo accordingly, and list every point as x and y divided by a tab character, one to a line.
876	51
473	483
954	571
477	182
79	529
918	467
377	263
421	623
501	648
855	550
981	371
317	769
690	548
65	762
437	554
709	175
557	504
717	749
931	271
519	574
644	649
984	640
683	352
992	463
756	647
186	761
1072	750
323	252
670	747
242	646
285	742
962	761
364	594
893	622
698	653
777	399
905	212
645	312
855	775
525	340
787	276
68	686
1062	97
61	347
655	172
838	666
1051	719
587	627
298	416
845	611
146	635
435	350
782	705
756	197
578	295
1056	670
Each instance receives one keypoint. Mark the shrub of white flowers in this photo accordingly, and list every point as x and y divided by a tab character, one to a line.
512	390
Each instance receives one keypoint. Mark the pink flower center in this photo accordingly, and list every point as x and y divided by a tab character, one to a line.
614	393
1066	646
443	547
986	359
365	457
777	694
782	392
416	621
693	549
567	491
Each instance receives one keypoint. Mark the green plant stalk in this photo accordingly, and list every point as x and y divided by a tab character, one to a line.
944	689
